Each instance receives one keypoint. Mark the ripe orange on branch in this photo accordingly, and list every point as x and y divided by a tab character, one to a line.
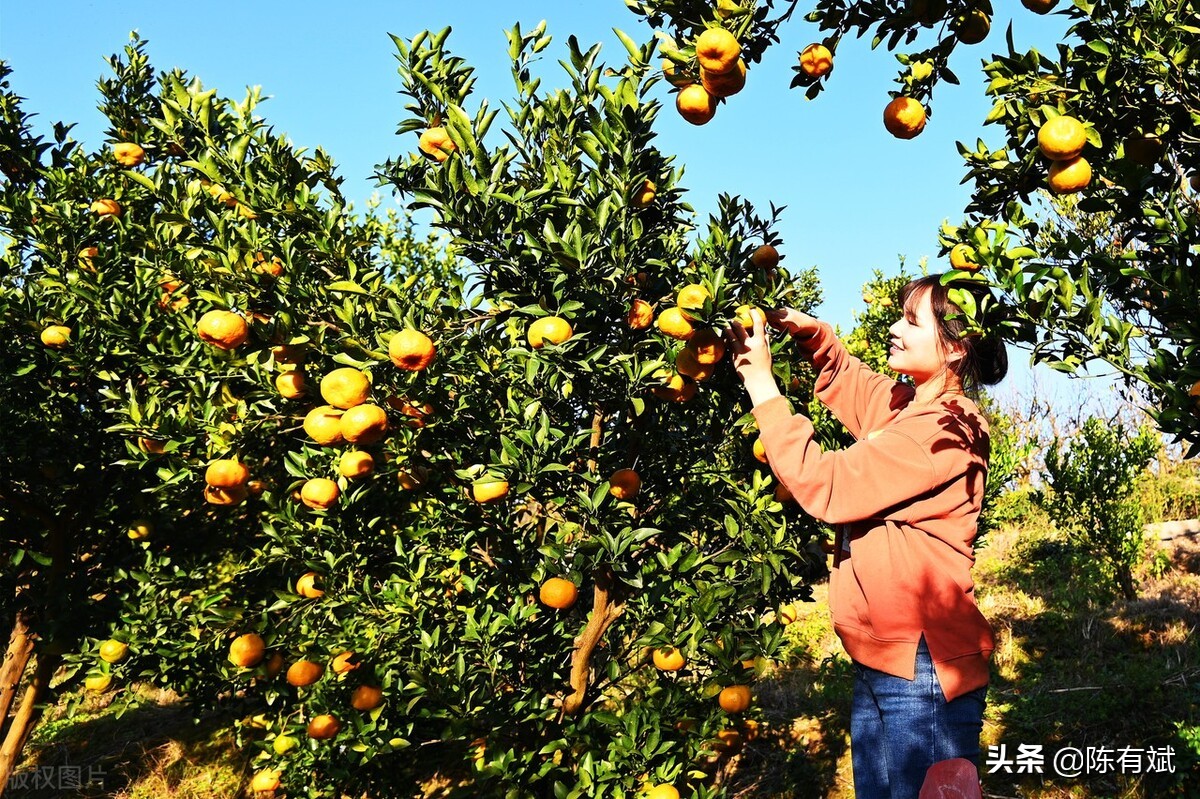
436	141
765	257
227	473
552	329
319	493
1061	138
308	586
974	27
356	464
688	365
489	490
1067	177
113	651
265	780
345	387
717	50
668	658
224	330
364	424
961	257
304	672
724	84
816	60
624	484
695	104
323	727
904	118
644	195
128	154
734	699
558	593
640	316
324	425
708	346
56	337
106	207
345	662
366	697
411	350
247	650
291	384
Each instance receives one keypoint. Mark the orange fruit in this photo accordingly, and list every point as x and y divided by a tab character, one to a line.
98	683
112	651
152	446
724	84
1067	177
644	195
787	614
558	593
688	365
364	424
489	490
662	791
669	658
290	384
106	208
320	493
56	337
1039	6
288	353
411	350
247	650
553	329
816	60
673	323
734	698
904	118
140	530
324	425
304	672
624	484
128	154
765	257
265	780
345	387
717	50
674	387
345	662
695	104
974	27
273	267
961	257
727	740
708	346
224	496
692	297
437	142
1062	138
760	451
356	463
226	473
224	330
308	586
323	726
742	315
246	212
416	414
85	257
640	316
366	697
410	480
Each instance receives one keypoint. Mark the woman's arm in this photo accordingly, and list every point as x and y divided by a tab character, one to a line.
846	385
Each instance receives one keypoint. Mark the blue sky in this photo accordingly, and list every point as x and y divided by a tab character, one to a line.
857	199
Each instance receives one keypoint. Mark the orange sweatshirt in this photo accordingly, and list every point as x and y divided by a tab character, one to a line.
904	499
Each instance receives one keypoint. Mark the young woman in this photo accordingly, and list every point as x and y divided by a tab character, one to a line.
904	500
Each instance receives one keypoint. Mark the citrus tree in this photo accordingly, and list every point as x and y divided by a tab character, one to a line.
1109	117
496	513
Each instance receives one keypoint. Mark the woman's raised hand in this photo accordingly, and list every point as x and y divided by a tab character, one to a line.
792	321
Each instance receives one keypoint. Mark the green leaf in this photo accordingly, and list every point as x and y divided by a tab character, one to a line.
348	286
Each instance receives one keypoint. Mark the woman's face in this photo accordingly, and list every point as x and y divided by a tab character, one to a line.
913	348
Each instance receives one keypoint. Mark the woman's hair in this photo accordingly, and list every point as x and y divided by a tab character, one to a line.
985	360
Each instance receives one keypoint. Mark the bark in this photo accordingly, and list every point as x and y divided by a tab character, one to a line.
20	647
604	612
26	716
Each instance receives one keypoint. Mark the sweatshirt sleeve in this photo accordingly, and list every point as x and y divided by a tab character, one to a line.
863	480
846	385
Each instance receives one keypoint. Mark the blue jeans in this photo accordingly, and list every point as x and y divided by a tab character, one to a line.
899	728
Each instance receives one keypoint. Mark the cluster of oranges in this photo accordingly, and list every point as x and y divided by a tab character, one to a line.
722	73
1062	140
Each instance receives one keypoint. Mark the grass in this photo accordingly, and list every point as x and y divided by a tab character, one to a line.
1074	666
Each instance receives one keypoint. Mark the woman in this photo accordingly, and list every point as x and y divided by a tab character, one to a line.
904	500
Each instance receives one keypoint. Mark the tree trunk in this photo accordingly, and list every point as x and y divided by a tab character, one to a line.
20	648
26	717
